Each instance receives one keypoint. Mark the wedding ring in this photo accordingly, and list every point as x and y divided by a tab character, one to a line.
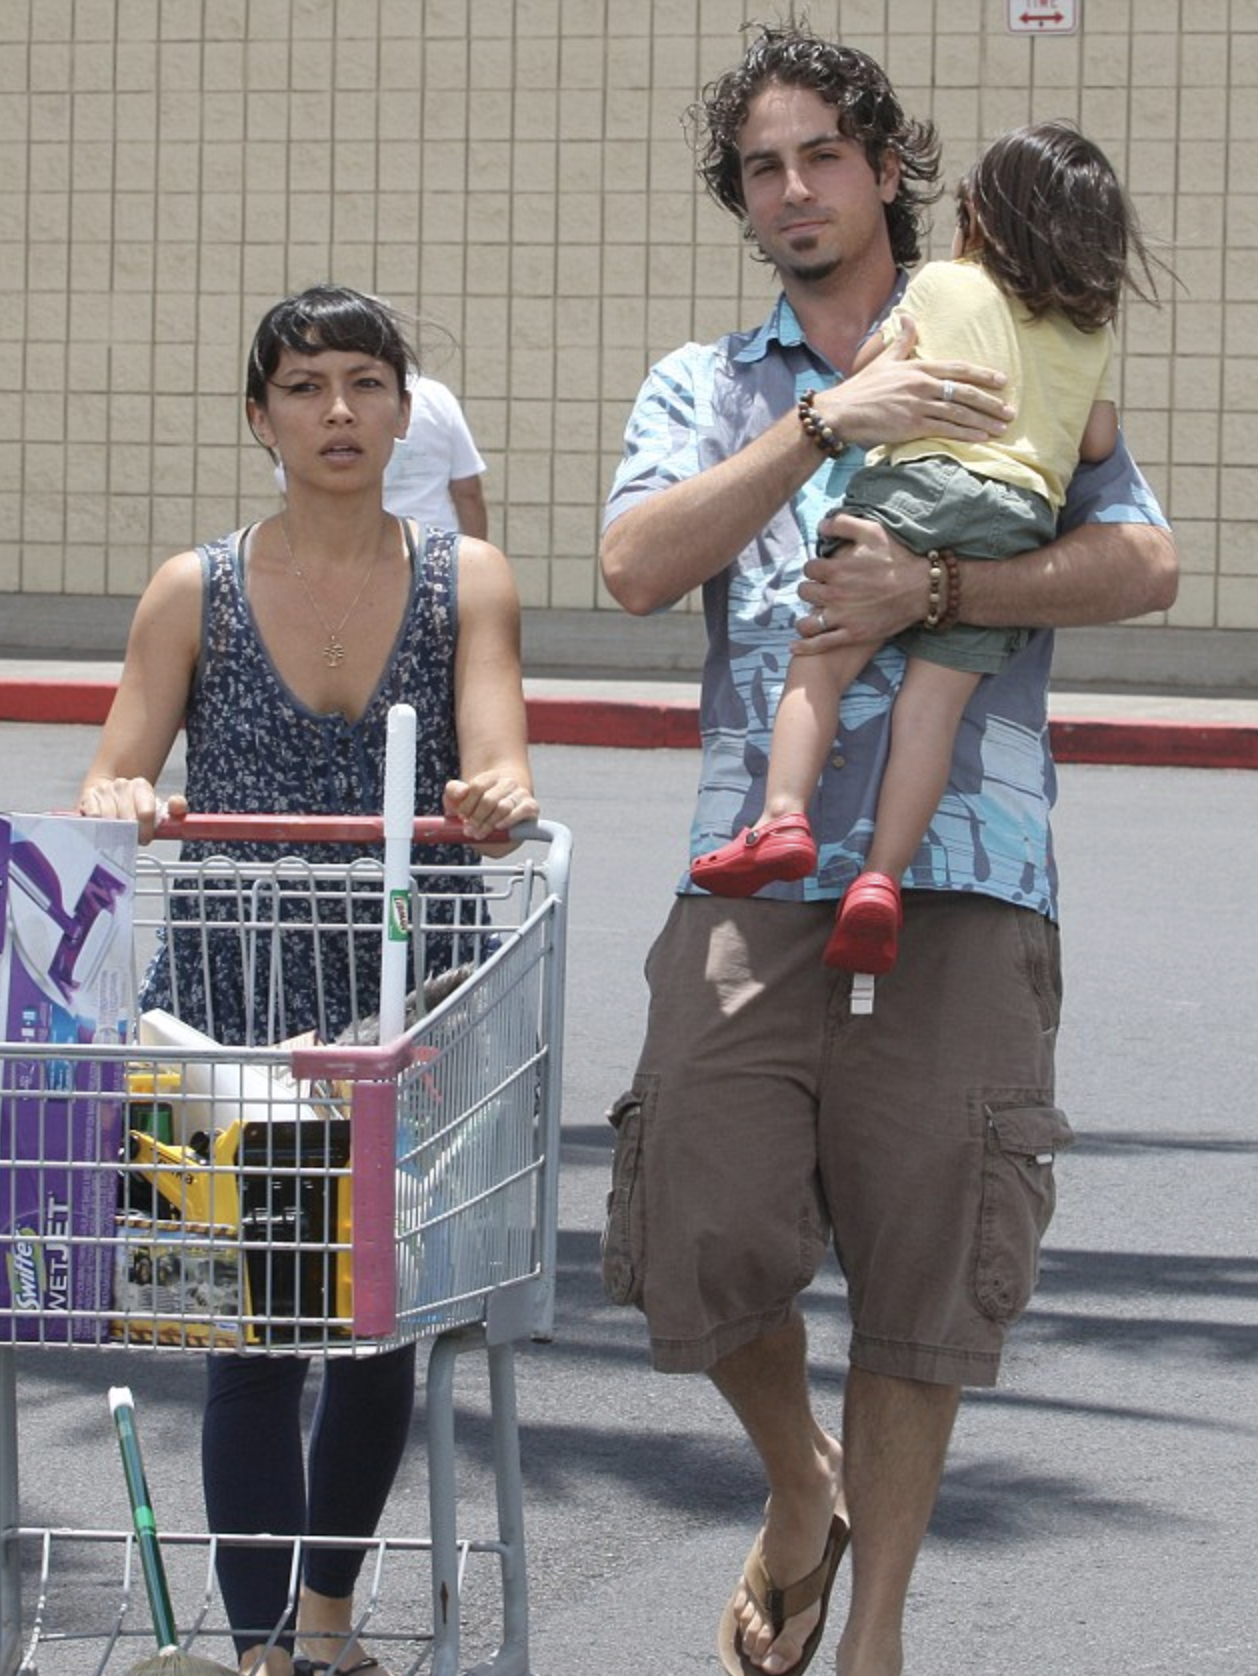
821	619
949	390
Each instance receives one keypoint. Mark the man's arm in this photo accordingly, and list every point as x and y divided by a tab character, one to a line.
1097	573
677	537
1114	559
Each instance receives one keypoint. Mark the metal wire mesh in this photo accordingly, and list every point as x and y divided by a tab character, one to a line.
238	1228
300	1188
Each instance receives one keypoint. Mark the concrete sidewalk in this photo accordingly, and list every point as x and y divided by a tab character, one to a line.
1087	726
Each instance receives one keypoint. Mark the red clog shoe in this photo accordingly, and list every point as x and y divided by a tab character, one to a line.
866	929
776	849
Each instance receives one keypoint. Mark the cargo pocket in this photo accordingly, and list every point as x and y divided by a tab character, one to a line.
1018	1197
625	1227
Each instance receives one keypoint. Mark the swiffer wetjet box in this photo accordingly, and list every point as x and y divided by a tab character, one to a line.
66	890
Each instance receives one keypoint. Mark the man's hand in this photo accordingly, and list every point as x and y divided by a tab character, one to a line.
897	399
871	588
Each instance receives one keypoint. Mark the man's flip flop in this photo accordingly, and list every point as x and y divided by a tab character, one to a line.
779	1605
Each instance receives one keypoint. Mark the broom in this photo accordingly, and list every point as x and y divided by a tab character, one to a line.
171	1659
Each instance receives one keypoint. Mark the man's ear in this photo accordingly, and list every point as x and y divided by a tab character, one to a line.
889	176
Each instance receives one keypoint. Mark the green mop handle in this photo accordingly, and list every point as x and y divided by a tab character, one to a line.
122	1407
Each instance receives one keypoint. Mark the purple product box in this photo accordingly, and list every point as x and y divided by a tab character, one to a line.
66	890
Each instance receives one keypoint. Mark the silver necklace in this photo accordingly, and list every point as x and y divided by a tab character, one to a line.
334	648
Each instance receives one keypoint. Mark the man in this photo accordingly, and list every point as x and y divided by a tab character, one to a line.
435	473
765	1117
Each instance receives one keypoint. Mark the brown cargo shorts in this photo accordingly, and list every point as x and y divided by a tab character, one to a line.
765	1119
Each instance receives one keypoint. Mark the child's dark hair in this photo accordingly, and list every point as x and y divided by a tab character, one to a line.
1057	229
327	317
866	110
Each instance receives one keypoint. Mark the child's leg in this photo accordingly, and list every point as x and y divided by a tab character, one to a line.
805	725
924	726
779	845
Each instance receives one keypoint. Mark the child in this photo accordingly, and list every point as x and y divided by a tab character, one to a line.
1041	255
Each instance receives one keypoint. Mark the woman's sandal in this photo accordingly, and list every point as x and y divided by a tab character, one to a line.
303	1666
777	1606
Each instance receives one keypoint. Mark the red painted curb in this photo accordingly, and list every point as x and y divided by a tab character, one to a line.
1156	744
55	701
613	722
640	725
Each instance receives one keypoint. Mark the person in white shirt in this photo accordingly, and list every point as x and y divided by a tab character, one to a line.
435	473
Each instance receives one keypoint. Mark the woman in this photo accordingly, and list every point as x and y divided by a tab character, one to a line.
284	645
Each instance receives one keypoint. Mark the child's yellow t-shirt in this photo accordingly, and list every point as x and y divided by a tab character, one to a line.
1055	373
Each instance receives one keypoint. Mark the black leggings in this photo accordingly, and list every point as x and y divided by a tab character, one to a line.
251	1464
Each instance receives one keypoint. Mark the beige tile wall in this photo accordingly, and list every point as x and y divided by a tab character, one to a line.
515	172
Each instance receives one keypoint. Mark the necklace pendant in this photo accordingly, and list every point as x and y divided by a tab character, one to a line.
333	653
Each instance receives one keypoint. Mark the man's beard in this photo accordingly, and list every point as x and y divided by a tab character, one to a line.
811	273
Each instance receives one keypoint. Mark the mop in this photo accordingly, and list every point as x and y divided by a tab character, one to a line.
170	1658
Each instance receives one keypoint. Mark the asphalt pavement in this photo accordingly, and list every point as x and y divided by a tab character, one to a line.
1099	1514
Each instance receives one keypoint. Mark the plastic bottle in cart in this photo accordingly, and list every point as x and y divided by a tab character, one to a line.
217	1091
151	1098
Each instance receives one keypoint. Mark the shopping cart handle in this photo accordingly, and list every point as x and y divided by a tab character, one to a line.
314	829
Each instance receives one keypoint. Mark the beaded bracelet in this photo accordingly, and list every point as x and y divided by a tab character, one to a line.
943	598
825	436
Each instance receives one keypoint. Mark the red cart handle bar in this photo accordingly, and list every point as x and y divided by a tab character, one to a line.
317	829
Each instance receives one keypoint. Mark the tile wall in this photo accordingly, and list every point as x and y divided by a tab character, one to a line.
515	174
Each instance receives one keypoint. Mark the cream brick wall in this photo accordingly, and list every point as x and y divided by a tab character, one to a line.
514	173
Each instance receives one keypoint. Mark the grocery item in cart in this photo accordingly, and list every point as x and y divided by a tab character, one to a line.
296	1223
251	1224
195	1183
175	1283
218	1089
66	889
256	1240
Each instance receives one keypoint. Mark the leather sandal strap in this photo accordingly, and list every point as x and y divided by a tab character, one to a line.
777	1605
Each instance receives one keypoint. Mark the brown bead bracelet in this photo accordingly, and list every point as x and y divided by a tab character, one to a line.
825	436
943	600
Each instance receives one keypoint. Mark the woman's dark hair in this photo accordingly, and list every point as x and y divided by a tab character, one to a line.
866	109
1057	229
327	317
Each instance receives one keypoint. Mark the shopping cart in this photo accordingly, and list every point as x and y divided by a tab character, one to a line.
330	1194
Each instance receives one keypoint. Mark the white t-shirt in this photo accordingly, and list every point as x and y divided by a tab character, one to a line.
437	447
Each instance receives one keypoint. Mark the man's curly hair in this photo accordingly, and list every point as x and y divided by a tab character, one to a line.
867	111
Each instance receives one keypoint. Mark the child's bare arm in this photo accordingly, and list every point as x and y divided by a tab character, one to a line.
1100	434
874	345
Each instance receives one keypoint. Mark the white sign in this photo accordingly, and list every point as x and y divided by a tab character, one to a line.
1042	17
